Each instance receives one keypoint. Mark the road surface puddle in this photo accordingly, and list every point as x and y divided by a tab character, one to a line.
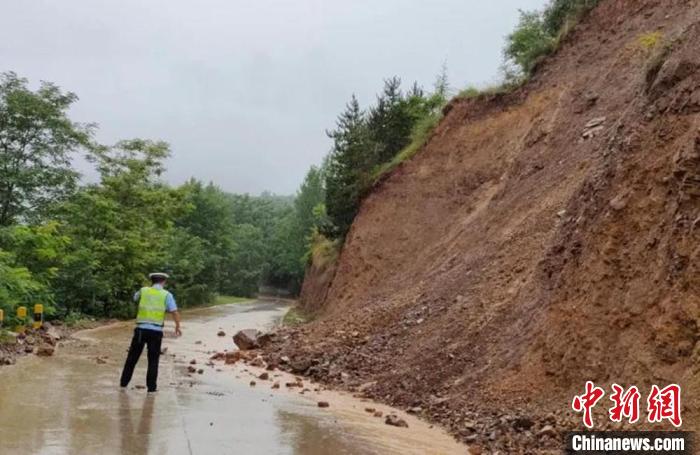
71	403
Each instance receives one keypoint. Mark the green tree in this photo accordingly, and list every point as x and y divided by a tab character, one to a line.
210	219
37	140
18	286
245	274
348	164
311	193
120	228
529	42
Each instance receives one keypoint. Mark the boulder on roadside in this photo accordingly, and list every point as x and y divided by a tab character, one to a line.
247	339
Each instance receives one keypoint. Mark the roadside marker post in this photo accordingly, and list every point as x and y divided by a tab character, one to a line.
22	316
2	317
38	316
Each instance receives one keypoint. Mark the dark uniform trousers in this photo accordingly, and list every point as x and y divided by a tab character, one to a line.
152	339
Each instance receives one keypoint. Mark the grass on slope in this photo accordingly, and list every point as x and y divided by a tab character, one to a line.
228	299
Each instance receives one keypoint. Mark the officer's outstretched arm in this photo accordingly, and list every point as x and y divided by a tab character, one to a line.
176	318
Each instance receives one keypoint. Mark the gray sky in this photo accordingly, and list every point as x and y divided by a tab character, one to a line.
244	90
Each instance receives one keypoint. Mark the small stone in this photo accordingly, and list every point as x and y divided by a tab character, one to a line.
370	410
264	376
193	362
618	203
415	410
200	371
252	383
395	421
523	423
221	333
45	350
378	413
276	385
323	404
191	369
547	430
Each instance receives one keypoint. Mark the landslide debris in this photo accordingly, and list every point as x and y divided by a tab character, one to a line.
540	239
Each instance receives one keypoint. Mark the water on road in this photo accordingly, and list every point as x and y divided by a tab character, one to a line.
71	403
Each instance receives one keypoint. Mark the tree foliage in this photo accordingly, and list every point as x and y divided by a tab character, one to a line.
37	140
537	34
363	141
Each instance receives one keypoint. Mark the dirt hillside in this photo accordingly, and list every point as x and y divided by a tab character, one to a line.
540	239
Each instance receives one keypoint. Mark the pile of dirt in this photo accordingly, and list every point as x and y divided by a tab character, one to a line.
41	342
540	239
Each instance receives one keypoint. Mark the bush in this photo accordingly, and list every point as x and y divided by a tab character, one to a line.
538	33
529	42
419	136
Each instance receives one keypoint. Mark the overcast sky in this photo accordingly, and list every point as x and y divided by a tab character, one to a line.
244	90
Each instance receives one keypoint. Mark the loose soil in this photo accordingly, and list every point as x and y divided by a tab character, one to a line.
540	239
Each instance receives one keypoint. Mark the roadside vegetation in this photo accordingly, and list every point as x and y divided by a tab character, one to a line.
227	300
295	316
537	35
83	249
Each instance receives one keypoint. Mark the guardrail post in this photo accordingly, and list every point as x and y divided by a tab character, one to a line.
22	316
38	316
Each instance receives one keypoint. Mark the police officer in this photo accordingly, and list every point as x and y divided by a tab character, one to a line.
154	301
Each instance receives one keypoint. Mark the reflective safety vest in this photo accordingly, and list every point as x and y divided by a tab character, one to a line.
152	306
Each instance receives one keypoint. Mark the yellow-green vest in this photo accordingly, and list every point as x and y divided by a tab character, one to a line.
152	306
